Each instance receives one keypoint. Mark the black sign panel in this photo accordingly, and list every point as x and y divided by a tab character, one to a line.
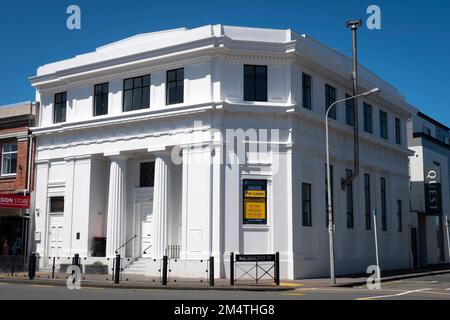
433	190
255	258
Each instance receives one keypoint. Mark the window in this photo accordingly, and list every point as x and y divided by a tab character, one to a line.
383	125
330	98
255	83
175	86
398	131
427	130
147	175
368	118
307	91
9	159
306	205
350	111
57	205
326	194
367	201
136	93
101	92
399	216
349	196
383	204
59	112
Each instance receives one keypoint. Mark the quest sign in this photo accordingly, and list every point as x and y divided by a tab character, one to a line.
14	202
433	190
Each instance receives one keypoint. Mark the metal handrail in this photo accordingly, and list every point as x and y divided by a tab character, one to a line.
145	251
117	250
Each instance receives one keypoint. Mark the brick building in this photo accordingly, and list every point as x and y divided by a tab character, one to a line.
16	177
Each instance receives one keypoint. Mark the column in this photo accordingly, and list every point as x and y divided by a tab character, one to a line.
116	207
160	205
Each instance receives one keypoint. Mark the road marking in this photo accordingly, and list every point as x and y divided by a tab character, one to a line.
290	285
40	286
294	294
3	284
91	288
394	295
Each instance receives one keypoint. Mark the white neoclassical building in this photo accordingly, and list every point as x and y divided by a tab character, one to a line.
202	142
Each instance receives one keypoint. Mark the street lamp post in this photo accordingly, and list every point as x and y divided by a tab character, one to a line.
447	226
330	200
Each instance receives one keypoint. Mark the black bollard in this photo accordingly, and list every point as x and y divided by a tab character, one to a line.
32	267
117	270
232	268
165	269
211	271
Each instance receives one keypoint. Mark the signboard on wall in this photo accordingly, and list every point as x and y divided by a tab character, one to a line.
14	202
433	190
255	202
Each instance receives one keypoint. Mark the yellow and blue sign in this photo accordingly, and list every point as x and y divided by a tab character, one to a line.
255	202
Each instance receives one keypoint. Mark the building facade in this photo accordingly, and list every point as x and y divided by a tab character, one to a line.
430	189
16	179
198	143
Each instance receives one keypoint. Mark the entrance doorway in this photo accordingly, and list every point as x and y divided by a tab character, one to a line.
56	236
147	229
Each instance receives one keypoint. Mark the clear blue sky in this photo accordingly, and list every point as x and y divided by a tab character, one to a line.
412	51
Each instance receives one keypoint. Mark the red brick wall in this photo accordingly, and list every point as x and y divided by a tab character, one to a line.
12	185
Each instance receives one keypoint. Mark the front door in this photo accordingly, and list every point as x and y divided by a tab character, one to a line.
147	229
56	236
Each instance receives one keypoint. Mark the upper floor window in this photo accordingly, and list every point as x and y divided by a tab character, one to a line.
367	200
101	92
330	98
368	118
398	131
136	93
307	91
427	130
9	159
255	83
350	111
59	112
147	175
383	125
175	86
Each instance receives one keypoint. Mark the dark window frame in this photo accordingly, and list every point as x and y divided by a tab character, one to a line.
104	99
54	208
384	125
398	131
368	117
133	89
250	92
307	91
179	83
307	205
383	196
60	107
330	98
350	202
143	183
399	216
367	202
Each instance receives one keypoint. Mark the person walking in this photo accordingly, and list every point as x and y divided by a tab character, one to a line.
5	248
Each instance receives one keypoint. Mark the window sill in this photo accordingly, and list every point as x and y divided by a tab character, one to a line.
8	177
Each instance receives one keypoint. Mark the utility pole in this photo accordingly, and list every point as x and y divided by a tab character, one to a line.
354	25
375	228
447	226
